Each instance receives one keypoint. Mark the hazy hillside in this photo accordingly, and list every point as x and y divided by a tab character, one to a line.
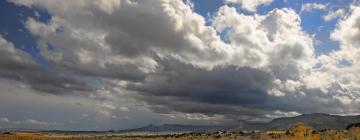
317	120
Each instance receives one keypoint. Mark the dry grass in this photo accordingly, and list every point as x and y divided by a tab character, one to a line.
327	135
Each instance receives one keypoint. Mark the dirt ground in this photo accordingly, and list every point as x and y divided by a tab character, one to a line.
330	134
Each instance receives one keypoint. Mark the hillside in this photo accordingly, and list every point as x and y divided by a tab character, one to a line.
317	120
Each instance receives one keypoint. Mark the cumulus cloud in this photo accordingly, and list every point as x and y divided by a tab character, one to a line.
274	41
313	6
347	31
250	5
161	53
339	68
334	14
227	85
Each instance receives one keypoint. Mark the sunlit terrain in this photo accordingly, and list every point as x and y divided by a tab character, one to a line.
300	131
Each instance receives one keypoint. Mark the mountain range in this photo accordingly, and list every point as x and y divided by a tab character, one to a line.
316	120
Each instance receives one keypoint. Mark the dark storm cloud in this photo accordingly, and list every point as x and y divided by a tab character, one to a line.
57	82
226	90
168	105
221	85
220	89
48	81
315	100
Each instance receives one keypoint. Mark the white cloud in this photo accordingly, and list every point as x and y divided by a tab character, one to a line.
32	122
347	33
4	120
334	14
278	114
250	5
273	41
313	6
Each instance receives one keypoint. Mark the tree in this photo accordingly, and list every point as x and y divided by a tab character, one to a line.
353	125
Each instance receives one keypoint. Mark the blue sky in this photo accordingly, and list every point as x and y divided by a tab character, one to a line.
152	62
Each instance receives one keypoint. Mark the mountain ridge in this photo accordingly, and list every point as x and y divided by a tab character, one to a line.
316	120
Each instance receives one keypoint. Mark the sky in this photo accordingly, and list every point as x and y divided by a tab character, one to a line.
120	64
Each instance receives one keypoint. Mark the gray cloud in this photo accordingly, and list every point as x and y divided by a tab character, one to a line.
19	65
226	90
221	85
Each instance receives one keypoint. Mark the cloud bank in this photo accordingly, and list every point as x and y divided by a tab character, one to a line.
160	53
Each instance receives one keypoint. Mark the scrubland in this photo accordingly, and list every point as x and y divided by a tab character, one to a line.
299	132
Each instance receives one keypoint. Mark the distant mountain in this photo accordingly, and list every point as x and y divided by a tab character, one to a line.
316	120
175	128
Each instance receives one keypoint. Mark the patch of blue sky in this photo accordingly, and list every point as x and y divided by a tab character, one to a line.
12	27
93	80
223	35
264	9
313	23
317	66
50	47
207	8
344	63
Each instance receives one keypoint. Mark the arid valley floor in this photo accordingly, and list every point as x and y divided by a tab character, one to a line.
300	131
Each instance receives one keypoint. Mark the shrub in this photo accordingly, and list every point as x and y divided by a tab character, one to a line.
353	125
